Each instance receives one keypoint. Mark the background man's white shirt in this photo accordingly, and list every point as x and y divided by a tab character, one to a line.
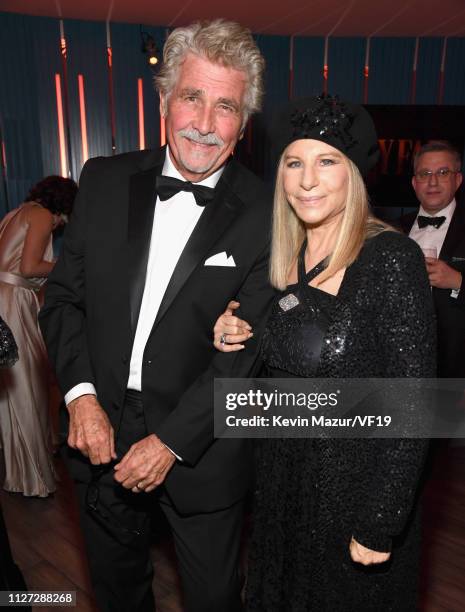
430	237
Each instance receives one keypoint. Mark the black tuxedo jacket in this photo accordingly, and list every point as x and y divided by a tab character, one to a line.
450	312
94	295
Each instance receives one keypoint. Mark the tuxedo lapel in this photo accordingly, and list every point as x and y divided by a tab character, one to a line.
142	199
455	234
216	218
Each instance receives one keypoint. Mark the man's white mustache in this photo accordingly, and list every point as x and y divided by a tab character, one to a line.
207	139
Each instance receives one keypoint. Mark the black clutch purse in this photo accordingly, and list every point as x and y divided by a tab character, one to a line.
8	347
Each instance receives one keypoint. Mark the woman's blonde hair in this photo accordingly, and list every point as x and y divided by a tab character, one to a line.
289	231
222	42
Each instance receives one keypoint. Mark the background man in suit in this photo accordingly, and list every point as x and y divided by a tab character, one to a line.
158	244
439	226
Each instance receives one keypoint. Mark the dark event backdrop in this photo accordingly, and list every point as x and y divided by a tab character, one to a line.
30	58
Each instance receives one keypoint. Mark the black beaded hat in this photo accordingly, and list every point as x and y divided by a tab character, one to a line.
345	126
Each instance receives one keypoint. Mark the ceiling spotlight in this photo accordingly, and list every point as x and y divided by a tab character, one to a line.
149	47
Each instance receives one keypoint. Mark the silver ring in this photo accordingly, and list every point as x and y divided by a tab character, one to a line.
223	339
139	486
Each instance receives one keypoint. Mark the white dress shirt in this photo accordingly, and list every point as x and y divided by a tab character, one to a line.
173	223
430	237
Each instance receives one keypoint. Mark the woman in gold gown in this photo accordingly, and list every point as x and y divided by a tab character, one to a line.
26	259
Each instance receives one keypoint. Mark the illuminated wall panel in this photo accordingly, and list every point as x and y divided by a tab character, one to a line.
61	127
82	112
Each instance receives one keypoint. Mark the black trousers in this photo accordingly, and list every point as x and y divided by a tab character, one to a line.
117	536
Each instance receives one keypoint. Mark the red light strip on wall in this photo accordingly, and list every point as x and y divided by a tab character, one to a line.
61	127
63	48
3	155
111	99
326	66
162	131
66	152
366	72
140	96
82	110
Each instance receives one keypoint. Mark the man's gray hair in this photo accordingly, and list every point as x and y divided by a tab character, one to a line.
221	42
437	146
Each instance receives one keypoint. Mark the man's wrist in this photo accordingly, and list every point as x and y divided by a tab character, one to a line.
456	290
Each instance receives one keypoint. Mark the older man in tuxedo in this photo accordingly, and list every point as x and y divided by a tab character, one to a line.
439	229
158	244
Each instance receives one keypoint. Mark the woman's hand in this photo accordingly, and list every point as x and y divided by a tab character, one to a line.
366	556
230	331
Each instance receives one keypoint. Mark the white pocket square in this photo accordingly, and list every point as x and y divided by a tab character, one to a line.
221	259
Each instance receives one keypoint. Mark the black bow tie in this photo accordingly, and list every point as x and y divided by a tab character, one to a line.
168	186
434	221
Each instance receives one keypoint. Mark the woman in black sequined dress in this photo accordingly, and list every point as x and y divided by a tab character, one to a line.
336	522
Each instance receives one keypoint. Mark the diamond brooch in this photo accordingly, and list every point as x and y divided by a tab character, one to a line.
288	302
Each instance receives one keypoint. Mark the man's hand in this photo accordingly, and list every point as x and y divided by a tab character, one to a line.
441	275
90	430
366	556
145	466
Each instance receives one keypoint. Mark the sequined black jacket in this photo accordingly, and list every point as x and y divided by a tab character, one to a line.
313	495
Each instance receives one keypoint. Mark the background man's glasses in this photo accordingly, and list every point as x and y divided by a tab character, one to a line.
441	175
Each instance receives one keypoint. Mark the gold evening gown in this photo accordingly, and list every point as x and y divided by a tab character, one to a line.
25	431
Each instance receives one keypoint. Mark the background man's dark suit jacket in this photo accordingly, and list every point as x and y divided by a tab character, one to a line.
94	296
450	312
